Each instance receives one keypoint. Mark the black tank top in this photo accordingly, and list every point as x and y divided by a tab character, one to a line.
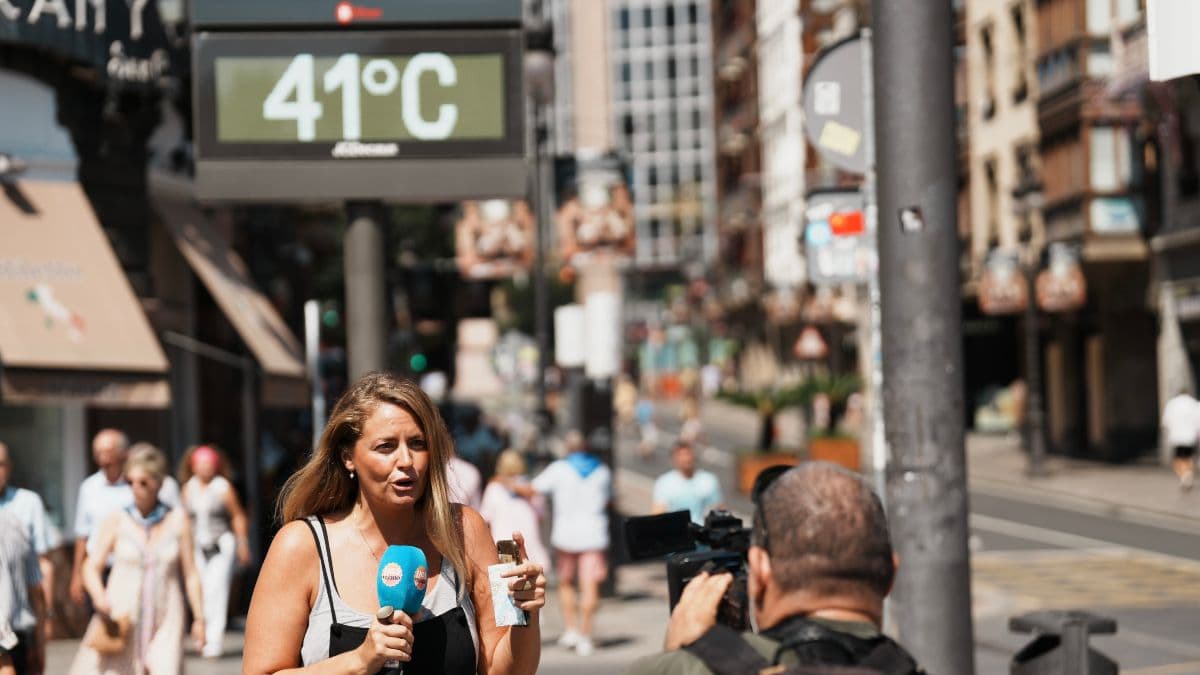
442	644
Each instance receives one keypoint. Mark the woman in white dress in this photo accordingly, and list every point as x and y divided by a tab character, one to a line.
221	533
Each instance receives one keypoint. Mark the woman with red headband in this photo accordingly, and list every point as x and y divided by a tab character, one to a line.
220	528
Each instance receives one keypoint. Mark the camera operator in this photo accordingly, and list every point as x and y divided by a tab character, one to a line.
820	564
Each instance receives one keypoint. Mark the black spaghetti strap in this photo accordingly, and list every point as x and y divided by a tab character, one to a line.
321	559
329	553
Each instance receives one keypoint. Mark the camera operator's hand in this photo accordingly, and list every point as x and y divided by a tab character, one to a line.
696	610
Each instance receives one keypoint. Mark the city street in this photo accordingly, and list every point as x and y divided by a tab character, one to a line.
1029	552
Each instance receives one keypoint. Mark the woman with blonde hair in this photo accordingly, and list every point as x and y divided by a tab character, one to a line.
221	533
506	511
140	617
377	478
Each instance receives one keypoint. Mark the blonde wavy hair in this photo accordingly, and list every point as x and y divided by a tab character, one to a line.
322	486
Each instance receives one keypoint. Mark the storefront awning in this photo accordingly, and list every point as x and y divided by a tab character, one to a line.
71	328
224	274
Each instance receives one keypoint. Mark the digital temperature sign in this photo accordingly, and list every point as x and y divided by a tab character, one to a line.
359	114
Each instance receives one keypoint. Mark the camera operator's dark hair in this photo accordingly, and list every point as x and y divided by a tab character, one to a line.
827	532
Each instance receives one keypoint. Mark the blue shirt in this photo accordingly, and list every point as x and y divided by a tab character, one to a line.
696	495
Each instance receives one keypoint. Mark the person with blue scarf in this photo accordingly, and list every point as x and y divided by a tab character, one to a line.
580	487
140	616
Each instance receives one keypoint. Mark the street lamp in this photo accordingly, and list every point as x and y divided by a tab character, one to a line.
1028	199
539	81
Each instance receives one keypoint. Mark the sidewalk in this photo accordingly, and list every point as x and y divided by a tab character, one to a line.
1139	492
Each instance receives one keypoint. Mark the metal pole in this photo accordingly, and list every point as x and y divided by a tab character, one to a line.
312	353
366	304
875	319
540	297
1035	418
250	454
921	317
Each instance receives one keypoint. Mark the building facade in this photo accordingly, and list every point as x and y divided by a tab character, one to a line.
781	125
738	150
662	108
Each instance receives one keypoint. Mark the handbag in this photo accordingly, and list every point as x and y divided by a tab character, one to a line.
111	636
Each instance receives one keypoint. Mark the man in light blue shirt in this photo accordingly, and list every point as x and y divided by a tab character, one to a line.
686	488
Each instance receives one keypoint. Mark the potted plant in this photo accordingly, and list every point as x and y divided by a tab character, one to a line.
825	408
767	403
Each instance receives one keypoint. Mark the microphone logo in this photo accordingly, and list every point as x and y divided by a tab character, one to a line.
420	578
393	574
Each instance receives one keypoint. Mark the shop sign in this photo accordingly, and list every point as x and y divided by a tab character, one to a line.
1114	215
1002	289
494	238
595	211
124	40
1061	287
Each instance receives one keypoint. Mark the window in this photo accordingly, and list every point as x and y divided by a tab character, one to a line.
987	106
1099	17
1110	158
993	200
1100	60
692	13
1018	19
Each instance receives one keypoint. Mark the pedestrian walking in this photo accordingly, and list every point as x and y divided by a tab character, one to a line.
580	488
378	477
22	642
102	494
220	532
141	618
508	512
647	429
687	488
29	515
1181	423
691	429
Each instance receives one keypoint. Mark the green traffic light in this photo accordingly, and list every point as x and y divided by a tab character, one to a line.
330	318
418	363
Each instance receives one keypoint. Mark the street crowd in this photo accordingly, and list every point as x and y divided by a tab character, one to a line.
154	554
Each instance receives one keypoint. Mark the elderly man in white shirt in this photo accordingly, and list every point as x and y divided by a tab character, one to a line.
103	493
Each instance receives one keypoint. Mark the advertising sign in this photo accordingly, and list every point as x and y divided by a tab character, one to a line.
835	239
124	40
1003	289
494	238
834	105
595	211
402	115
1061	287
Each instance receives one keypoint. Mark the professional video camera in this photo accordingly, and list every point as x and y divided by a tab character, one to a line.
719	545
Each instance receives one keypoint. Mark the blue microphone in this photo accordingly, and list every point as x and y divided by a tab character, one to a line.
400	584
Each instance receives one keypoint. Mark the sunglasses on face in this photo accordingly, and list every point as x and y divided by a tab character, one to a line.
765	479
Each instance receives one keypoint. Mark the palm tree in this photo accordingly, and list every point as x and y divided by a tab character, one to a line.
768	402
